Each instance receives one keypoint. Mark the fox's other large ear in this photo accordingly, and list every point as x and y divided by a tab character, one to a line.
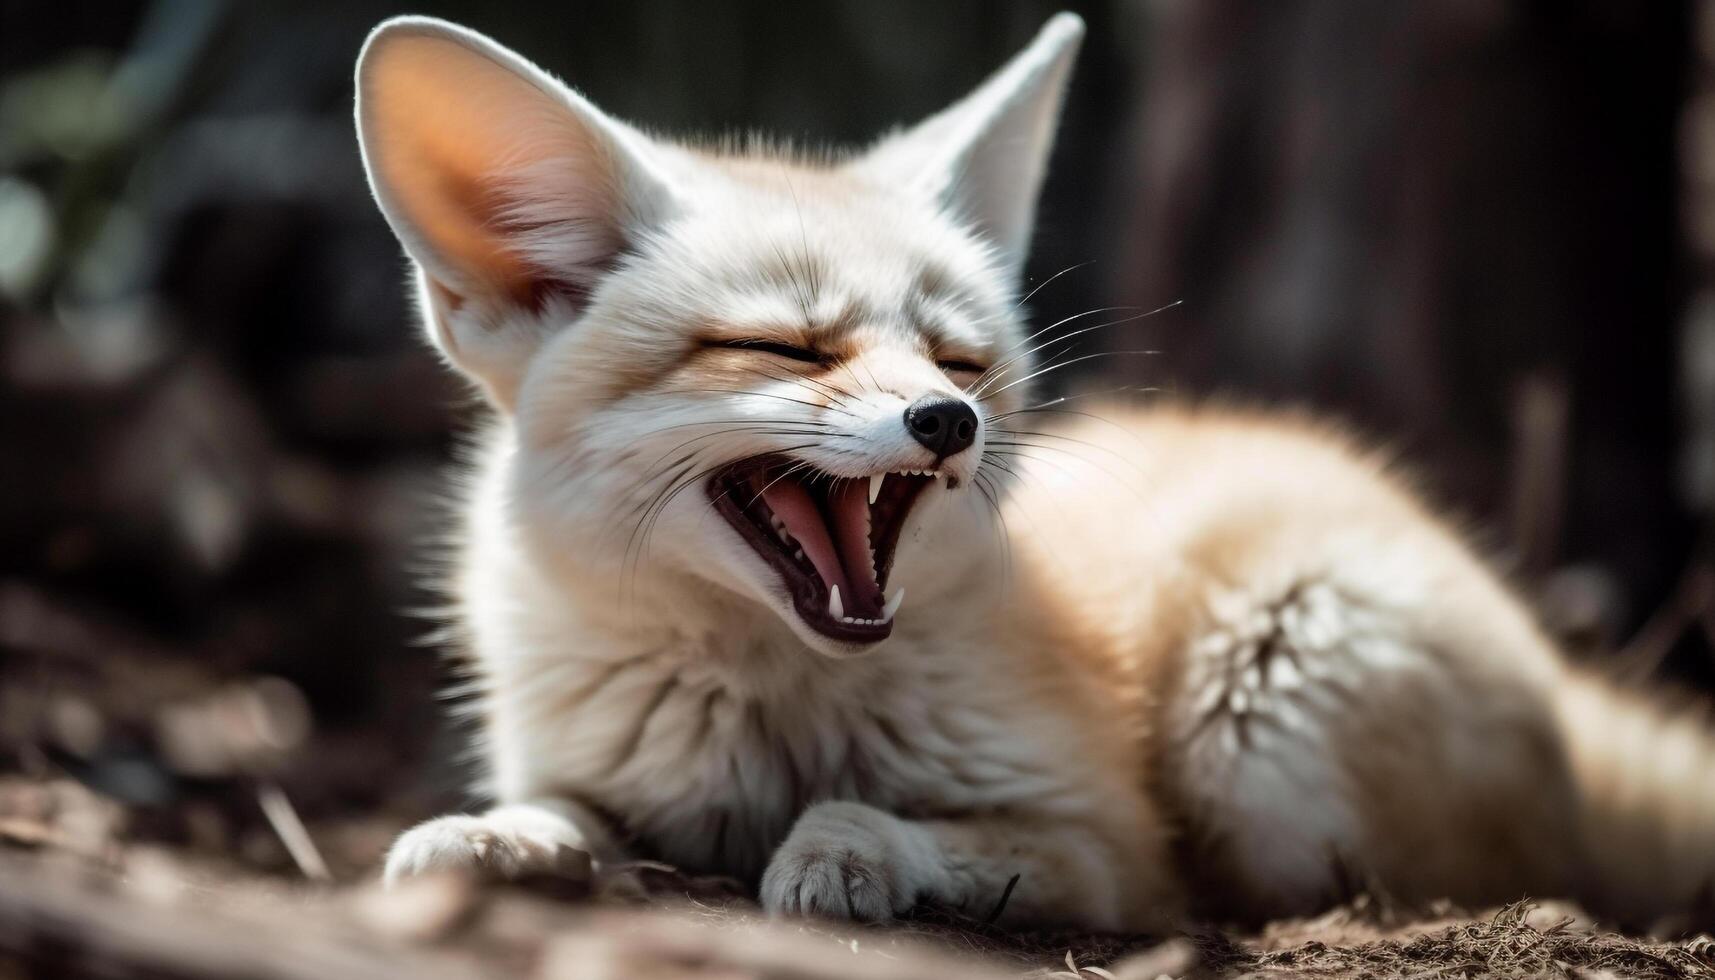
512	193
985	156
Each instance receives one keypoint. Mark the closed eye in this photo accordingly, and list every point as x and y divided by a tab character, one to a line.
960	367
776	348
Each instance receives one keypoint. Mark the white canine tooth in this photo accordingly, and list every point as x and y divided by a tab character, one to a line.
834	608
892	606
875	486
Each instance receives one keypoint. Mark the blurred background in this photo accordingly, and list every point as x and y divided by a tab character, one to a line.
1481	231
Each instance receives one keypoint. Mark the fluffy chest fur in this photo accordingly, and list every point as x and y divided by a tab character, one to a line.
704	752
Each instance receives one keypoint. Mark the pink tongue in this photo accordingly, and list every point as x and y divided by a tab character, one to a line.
789	502
848	507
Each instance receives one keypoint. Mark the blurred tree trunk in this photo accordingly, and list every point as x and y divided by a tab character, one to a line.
1698	178
1452	223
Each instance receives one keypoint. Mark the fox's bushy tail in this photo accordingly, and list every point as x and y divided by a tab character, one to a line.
1646	778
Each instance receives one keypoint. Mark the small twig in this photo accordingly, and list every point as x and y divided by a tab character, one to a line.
1005	896
284	819
1692	600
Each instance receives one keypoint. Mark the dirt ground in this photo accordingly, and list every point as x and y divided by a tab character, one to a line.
83	892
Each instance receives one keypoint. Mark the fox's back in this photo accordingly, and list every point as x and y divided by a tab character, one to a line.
1139	512
1292	632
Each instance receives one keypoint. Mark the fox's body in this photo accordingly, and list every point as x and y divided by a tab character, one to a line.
1169	660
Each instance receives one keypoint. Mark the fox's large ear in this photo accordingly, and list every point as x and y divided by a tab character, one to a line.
512	193
985	156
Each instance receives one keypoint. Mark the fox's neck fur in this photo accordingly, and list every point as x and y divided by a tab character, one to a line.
771	567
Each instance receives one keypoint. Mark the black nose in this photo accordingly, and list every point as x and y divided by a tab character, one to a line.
943	425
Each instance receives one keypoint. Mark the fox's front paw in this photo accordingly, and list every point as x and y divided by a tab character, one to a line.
509	842
847	860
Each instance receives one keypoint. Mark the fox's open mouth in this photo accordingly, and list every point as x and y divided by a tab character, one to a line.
832	539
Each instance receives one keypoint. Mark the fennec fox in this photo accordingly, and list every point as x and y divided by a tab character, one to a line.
772	567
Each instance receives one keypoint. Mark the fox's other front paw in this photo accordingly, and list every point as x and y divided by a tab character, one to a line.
509	842
847	860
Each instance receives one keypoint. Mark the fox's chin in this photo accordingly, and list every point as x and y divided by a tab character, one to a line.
821	643
759	582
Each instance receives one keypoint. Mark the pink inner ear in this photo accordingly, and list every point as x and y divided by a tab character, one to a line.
507	191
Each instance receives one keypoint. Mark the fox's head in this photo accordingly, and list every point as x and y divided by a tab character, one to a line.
761	370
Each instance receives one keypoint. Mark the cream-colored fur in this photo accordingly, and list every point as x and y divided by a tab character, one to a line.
1173	660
